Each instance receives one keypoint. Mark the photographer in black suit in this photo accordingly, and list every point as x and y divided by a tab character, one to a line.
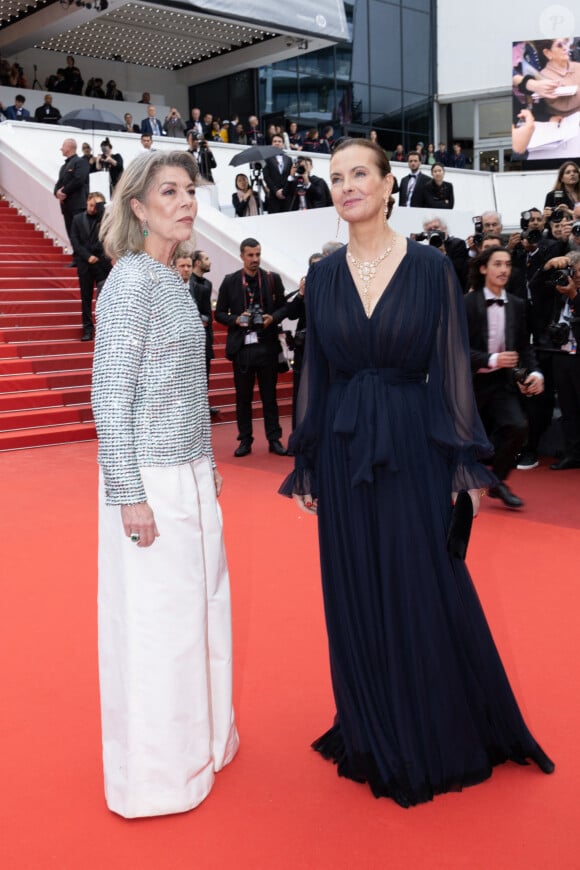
502	361
304	189
251	304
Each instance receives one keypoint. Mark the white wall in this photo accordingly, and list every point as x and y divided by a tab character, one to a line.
474	41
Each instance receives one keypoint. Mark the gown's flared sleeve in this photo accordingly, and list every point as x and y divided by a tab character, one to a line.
455	423
314	378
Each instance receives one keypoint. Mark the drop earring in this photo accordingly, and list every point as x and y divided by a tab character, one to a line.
144	229
337	226
386	211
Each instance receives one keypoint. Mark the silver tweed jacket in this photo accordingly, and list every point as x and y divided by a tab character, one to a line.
149	377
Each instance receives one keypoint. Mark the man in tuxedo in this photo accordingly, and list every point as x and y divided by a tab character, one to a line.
251	304
151	125
195	124
304	189
72	186
276	174
502	361
254	135
411	193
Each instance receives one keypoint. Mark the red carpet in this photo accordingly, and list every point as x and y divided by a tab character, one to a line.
279	806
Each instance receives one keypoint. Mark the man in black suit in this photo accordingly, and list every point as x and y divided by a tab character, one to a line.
276	174
202	154
499	346
92	264
72	186
245	298
200	289
411	194
304	189
47	113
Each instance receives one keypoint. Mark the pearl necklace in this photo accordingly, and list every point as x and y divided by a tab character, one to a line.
367	270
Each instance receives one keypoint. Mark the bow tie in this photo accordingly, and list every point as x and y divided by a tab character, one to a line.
489	302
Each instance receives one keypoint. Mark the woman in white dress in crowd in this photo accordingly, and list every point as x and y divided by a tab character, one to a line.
165	660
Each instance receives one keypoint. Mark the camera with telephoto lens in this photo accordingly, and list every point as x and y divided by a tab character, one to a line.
559	277
576	228
558	333
301	168
477	230
434	237
532	236
253	317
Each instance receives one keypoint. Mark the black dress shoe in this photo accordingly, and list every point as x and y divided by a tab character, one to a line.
565	463
244	448
504	493
277	448
88	335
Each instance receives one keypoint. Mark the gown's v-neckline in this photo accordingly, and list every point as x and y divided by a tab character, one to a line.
391	279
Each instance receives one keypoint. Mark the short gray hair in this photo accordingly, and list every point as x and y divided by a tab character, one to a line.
121	230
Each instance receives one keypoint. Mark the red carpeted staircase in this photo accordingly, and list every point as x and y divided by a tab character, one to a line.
45	370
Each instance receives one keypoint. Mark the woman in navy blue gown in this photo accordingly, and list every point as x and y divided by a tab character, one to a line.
387	429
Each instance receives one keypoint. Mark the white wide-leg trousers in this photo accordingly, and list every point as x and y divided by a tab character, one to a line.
165	648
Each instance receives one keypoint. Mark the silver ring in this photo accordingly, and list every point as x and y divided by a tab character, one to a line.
135	537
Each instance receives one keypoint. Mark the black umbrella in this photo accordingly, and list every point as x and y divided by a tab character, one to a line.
254	154
92	119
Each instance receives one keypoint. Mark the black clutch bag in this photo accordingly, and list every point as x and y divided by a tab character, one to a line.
460	526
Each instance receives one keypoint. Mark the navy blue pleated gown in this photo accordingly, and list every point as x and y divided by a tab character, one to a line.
387	429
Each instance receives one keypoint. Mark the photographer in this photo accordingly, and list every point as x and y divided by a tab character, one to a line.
304	189
530	255
502	361
106	161
173	124
435	231
251	304
564	195
245	200
202	154
563	334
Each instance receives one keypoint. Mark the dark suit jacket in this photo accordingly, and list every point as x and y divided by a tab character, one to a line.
317	194
435	196
10	114
418	193
200	289
276	180
73	178
231	303
147	127
516	335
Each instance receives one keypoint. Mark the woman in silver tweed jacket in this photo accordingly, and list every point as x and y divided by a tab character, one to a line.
165	663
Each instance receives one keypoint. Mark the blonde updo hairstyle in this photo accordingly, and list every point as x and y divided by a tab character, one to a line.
379	155
121	231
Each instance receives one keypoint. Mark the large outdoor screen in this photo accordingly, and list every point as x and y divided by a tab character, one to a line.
546	98
322	18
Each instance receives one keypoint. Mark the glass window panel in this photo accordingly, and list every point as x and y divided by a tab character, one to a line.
385	44
495	118
416	45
